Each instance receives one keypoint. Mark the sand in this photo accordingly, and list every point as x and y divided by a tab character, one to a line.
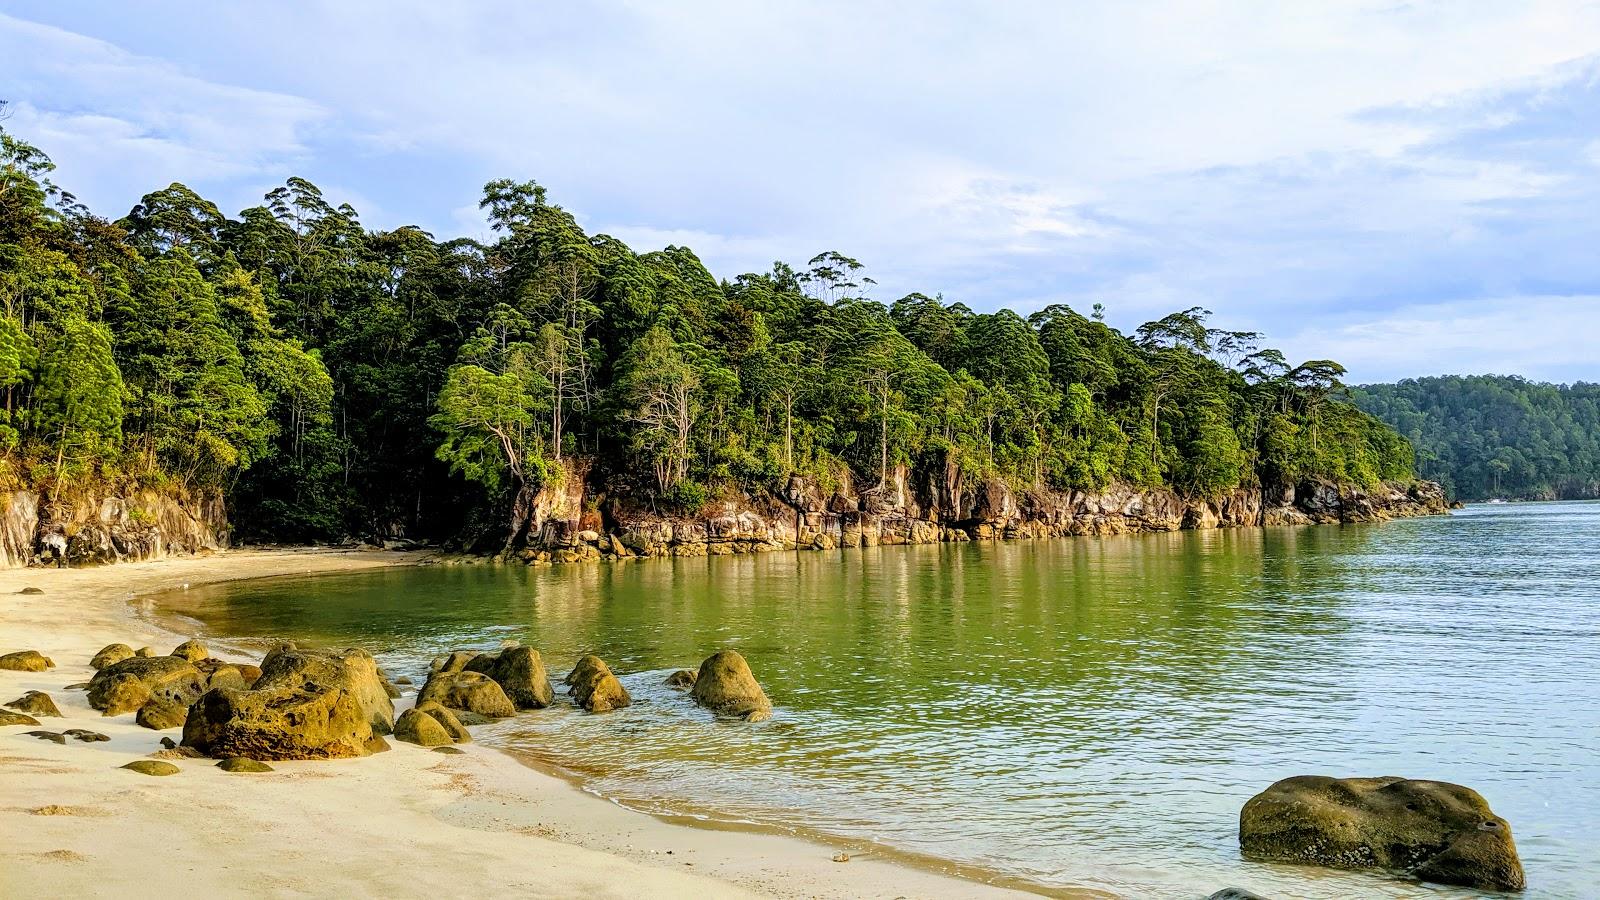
409	822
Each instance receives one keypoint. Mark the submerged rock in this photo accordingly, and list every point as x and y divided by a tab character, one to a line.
1431	830
160	715
585	668
683	679
421	729
470	691
36	703
127	685
596	688
243	764
152	767
520	673
26	661
726	686
110	654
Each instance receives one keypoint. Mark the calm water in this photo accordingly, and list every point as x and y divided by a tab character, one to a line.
1076	713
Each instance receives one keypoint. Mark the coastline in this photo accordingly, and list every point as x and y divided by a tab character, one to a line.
79	824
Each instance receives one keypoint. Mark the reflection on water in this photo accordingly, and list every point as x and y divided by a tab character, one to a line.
1087	712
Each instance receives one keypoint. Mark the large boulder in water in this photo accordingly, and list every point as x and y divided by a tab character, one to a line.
306	720
353	670
726	686
520	673
471	691
130	684
1430	830
596	688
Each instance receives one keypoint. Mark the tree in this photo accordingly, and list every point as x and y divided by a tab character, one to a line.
78	402
656	394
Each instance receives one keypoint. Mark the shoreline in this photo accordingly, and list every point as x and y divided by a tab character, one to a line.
79	824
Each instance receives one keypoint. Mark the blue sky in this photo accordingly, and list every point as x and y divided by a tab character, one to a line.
1409	188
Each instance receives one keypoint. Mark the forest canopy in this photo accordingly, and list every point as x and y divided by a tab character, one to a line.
337	380
1484	436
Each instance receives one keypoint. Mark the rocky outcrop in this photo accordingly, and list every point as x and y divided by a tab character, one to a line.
726	686
1430	830
353	671
130	684
577	521
90	527
304	720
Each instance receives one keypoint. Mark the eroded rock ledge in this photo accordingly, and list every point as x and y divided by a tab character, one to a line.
579	521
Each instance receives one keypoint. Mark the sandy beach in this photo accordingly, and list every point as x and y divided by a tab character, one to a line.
409	822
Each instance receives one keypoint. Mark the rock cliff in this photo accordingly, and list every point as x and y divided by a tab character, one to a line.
89	527
579	520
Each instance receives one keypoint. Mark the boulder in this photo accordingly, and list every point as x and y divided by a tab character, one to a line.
159	715
585	668
421	729
8	717
470	691
127	685
726	686
249	673
597	688
152	767
447	718
1430	830
228	677
241	764
304	720
191	651
35	703
683	679
353	670
520	673
455	662
26	661
145	652
110	653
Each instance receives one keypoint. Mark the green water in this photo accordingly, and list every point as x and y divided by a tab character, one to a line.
1073	713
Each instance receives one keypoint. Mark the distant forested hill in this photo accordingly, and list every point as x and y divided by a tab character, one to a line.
1497	436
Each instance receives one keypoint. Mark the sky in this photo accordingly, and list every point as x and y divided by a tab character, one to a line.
1410	188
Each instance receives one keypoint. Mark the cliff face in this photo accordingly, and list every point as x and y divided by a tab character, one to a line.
578	521
94	528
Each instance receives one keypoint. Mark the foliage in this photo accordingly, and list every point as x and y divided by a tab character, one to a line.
1497	436
338	380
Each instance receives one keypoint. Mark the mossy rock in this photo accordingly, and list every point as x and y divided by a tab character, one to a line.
7	717
585	669
286	721
683	679
597	689
36	703
191	651
52	736
353	671
146	652
448	719
226	676
456	661
470	691
128	685
160	715
421	729
152	767
726	686
26	661
110	654
1431	830
520	672
243	764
